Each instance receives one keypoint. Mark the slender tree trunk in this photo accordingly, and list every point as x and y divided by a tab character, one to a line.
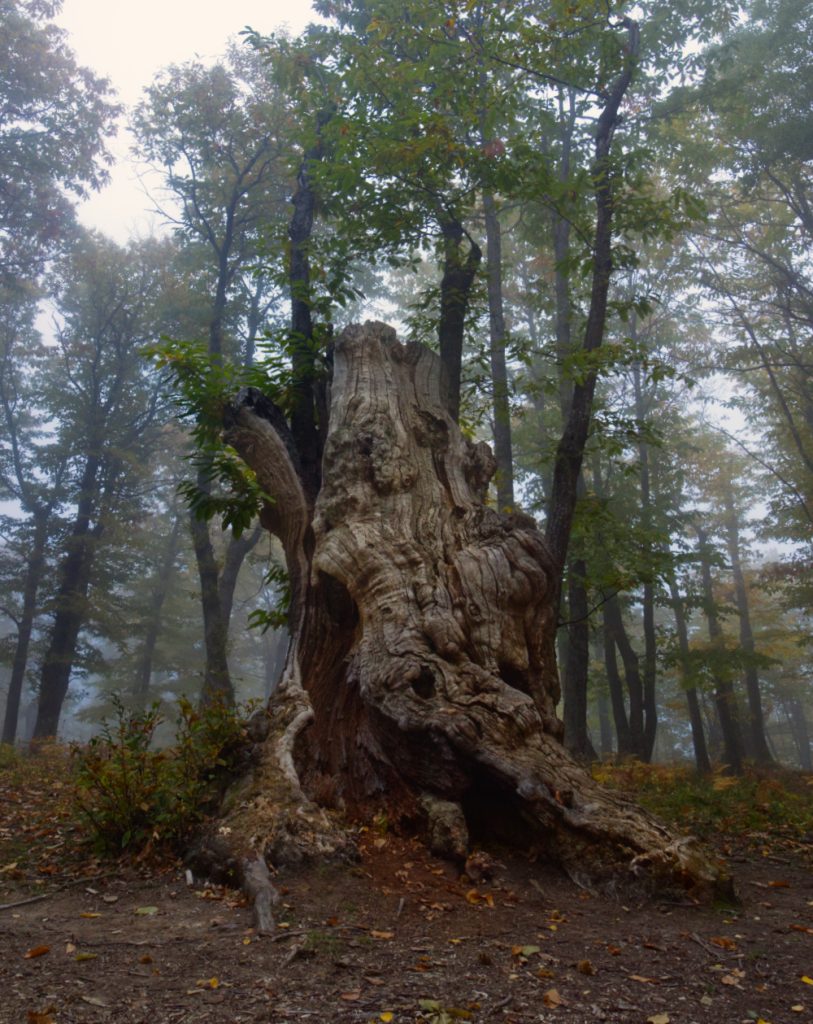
35	564
724	696
604	725
501	410
570	451
155	614
756	718
70	606
614	621
650	672
421	668
576	665
801	734
701	755
626	747
459	272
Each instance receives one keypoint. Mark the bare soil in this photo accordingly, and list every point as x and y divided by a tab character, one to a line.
403	934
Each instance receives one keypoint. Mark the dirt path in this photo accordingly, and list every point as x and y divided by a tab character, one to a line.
401	938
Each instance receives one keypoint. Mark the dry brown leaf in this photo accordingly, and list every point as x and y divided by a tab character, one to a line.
40	1016
381	935
723	942
552	998
36	951
351	996
730	979
585	967
658	1018
643	980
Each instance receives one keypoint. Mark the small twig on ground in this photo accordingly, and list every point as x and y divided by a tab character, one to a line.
501	1004
54	892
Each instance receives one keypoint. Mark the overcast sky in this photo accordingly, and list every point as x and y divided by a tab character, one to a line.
128	43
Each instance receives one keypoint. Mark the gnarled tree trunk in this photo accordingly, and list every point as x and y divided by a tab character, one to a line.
421	671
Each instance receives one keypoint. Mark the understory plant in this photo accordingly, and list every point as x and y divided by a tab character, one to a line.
134	796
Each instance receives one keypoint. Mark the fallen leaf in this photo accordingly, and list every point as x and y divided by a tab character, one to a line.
730	979
146	959
381	935
780	884
371	979
39	1017
723	942
351	996
642	979
798	1008
207	983
801	928
585	967
82	957
614	950
147	911
93	1000
36	951
110	898
525	951
90	913
706	1000
3	870
552	998
658	1018
806	980
386	1017
69	947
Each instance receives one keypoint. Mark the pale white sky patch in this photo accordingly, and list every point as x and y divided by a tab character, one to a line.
128	43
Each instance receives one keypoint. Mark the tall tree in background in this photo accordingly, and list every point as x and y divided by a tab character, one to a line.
220	135
54	118
105	404
32	472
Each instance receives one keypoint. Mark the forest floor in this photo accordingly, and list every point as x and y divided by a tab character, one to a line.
398	937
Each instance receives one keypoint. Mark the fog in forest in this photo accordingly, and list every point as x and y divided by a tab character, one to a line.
443	167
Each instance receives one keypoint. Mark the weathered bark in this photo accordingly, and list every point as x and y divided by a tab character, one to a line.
701	755
35	564
725	698
421	663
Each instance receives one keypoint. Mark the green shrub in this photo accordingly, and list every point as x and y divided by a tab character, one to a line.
135	797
